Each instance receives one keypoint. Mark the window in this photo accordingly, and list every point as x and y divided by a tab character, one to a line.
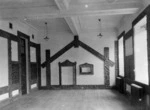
121	54
141	51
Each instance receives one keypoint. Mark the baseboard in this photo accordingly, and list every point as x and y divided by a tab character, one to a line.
75	87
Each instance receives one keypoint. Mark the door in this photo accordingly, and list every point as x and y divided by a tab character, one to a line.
67	75
23	67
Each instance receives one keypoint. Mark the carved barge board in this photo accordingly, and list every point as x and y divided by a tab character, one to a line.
58	54
106	67
75	43
48	69
94	52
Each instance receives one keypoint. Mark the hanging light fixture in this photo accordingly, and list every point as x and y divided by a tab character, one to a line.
100	34
46	37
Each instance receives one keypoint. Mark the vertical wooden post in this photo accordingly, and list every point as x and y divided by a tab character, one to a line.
39	63
9	69
47	68
106	67
59	74
116	59
75	77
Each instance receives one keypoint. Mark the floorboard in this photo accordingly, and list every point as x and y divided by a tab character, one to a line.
72	100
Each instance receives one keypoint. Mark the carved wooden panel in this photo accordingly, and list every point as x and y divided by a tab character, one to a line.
86	69
67	63
33	71
15	73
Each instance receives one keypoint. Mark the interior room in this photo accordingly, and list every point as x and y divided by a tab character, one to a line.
74	55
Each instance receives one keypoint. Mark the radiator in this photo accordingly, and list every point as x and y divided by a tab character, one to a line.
136	92
120	84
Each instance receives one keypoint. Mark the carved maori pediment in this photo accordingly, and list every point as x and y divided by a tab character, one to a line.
67	63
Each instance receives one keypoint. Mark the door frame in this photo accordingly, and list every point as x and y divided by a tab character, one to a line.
67	63
38	62
27	40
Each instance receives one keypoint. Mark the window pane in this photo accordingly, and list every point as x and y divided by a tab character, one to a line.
128	47
4	62
121	57
140	52
14	51
32	54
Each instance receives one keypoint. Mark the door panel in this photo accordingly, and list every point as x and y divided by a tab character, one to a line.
23	67
67	76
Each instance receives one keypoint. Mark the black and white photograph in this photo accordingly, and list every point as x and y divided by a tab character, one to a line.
74	54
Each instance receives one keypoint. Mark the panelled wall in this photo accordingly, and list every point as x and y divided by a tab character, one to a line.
79	55
10	66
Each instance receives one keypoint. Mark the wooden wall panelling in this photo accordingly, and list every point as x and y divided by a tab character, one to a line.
4	90
15	69
129	60
22	35
94	52
48	76
106	67
116	59
58	54
39	64
36	66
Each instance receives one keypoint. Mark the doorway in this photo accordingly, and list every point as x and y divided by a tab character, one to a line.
67	78
23	67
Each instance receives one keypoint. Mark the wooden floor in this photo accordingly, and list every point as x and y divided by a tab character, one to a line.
72	100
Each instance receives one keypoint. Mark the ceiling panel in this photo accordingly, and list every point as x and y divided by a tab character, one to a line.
25	3
57	24
92	22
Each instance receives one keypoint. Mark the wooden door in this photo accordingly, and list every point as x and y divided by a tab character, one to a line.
23	67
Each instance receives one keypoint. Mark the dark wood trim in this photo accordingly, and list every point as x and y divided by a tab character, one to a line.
95	53
72	44
9	69
75	87
22	35
10	37
47	68
121	35
128	34
58	54
148	42
15	86
86	65
116	59
76	41
141	15
106	67
129	73
59	74
65	64
4	90
39	64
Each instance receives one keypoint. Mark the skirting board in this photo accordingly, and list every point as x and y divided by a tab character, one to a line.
72	87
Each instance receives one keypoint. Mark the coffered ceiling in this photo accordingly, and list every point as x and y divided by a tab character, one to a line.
76	15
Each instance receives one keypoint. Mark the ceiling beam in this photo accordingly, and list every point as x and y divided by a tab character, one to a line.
63	5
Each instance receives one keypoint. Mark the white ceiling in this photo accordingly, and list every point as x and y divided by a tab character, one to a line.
69	14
